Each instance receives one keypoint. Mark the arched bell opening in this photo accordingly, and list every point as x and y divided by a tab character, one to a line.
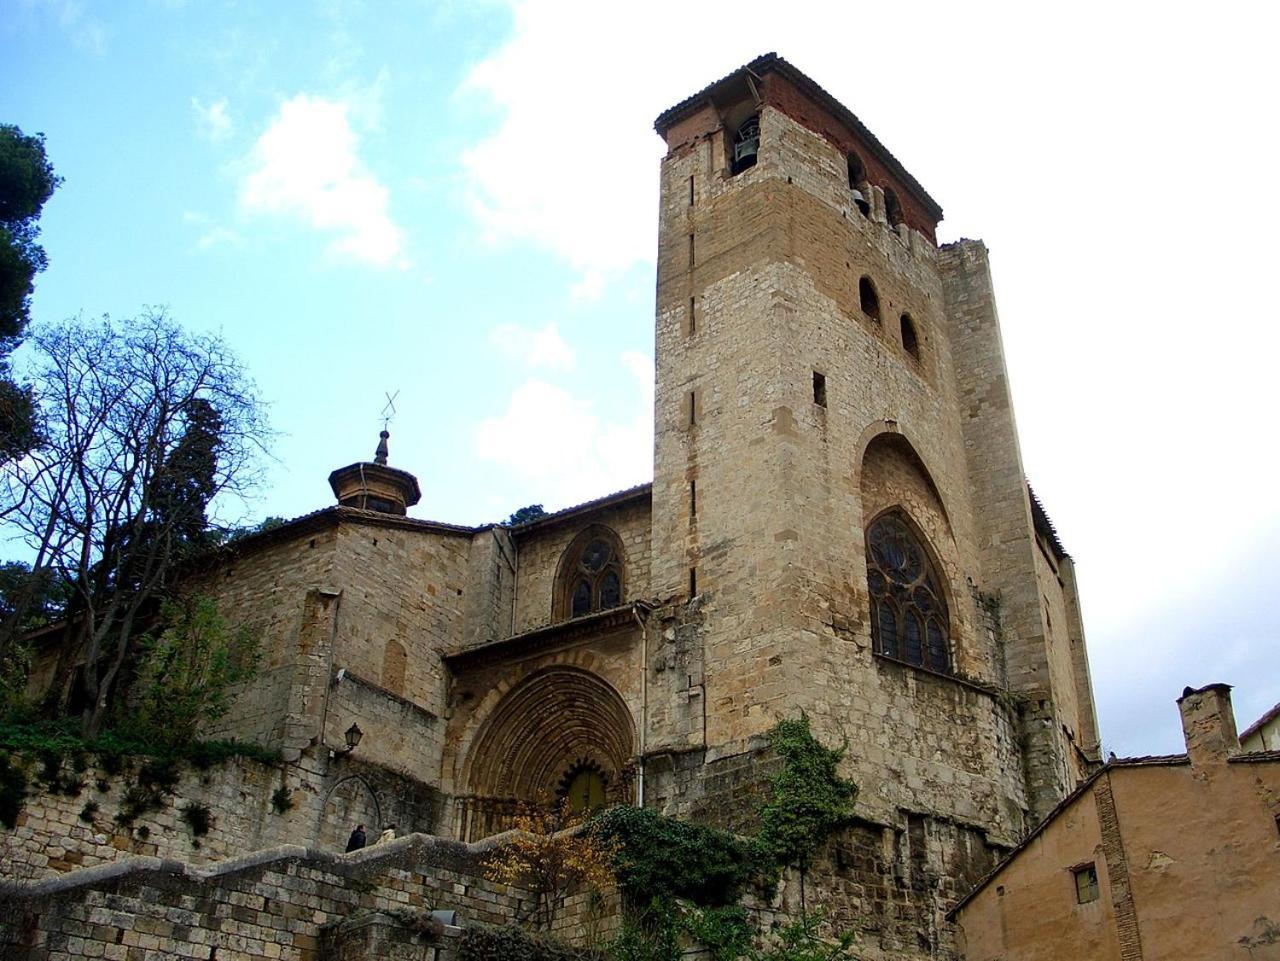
746	145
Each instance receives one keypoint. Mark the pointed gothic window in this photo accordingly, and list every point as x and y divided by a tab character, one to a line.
908	610
590	574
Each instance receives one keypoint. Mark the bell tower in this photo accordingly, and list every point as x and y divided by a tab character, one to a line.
823	367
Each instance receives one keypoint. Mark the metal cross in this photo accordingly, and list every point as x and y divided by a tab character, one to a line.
389	411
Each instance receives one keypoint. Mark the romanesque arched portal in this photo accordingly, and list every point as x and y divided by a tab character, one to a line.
562	733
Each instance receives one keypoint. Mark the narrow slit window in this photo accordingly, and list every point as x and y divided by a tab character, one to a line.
691	251
693	407
693	318
693	582
693	498
910	339
819	389
868	299
691	191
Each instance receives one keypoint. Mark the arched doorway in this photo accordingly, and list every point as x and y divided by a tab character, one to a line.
562	734
350	802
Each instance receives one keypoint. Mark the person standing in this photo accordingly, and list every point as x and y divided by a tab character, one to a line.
388	834
357	839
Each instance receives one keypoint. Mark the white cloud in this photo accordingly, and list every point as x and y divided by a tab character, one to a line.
213	121
307	165
564	450
534	348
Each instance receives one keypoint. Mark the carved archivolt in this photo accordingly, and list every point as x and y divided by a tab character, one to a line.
556	723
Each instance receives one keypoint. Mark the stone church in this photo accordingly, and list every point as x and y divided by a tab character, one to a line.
838	524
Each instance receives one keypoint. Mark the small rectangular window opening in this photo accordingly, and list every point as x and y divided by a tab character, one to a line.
819	389
693	407
690	190
693	582
691	251
693	319
1086	883
693	498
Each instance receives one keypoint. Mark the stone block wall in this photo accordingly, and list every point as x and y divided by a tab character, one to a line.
274	904
55	833
891	883
263	590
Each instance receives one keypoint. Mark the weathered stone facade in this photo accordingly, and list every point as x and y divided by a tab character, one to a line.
821	364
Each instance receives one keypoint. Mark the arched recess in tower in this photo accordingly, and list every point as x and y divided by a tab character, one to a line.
893	474
545	732
899	494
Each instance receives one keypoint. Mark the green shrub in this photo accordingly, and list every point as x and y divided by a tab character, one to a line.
663	858
13	789
198	817
281	799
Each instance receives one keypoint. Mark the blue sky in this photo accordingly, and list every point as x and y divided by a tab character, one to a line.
458	201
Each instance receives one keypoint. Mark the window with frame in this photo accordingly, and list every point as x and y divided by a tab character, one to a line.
1086	883
591	578
909	619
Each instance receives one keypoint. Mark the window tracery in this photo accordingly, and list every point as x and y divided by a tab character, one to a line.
591	576
909	619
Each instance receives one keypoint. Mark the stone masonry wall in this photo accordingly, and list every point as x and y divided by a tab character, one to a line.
889	883
403	602
264	590
56	832
274	904
1039	664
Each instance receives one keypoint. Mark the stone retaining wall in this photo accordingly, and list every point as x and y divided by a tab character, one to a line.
59	832
272	904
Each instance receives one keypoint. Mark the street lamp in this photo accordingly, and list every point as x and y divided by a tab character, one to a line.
353	736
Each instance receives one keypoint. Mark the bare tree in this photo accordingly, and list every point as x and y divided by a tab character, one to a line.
143	424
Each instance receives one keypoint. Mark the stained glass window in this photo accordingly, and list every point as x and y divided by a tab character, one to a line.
581	599
908	610
593	576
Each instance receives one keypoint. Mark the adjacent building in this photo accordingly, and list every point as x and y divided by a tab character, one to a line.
1150	857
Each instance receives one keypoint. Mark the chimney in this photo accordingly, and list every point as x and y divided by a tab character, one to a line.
1209	724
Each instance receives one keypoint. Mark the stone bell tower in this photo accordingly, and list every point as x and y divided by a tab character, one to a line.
836	471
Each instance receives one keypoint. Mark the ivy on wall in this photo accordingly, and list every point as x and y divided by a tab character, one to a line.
681	879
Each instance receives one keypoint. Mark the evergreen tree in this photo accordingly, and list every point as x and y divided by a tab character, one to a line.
27	180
